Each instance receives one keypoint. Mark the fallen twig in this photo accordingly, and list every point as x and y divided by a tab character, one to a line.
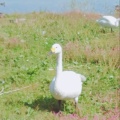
11	91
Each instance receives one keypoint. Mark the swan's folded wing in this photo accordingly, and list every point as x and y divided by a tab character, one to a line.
83	78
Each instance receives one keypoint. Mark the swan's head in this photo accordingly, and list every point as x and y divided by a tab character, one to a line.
56	48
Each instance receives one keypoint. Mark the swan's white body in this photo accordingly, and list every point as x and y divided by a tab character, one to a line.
108	21
66	84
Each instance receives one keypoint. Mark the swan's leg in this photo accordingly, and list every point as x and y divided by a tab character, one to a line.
76	106
111	30
59	110
103	30
76	102
59	103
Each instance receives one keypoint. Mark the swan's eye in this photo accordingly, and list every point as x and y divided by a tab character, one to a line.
56	47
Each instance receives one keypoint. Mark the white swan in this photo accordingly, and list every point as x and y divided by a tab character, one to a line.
108	21
66	84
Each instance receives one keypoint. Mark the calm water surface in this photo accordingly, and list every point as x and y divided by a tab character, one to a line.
58	6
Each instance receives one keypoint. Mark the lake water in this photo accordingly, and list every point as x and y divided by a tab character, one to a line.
58	6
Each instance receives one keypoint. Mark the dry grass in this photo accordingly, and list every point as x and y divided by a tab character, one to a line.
79	14
96	54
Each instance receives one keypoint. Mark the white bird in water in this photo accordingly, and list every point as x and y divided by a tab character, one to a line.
109	21
66	84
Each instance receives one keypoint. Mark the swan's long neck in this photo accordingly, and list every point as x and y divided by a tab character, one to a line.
58	70
59	64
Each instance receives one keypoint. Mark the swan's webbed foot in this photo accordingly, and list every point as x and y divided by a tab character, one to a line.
59	103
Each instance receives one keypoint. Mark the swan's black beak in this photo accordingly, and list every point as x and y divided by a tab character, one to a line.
50	53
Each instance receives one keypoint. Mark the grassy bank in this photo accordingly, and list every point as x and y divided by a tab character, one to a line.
87	50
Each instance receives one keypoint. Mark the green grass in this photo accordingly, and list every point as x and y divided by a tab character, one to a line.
24	61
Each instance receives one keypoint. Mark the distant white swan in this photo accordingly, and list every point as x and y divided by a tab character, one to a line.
66	84
108	21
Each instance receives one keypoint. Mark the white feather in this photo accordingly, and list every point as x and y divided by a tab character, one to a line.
109	21
66	84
